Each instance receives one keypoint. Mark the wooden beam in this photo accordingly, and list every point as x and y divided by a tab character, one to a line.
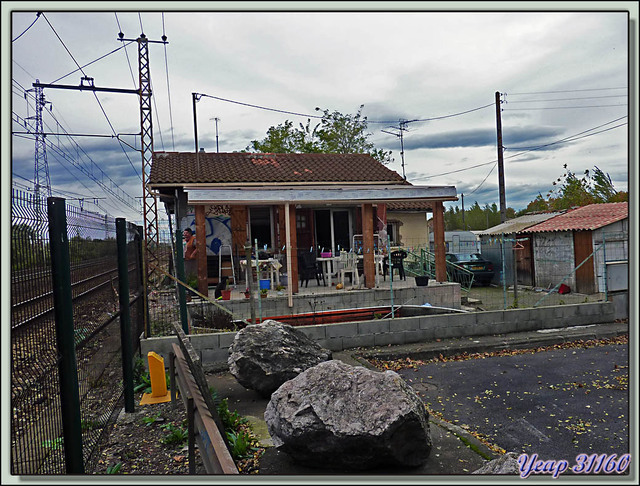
201	255
367	246
292	250
438	241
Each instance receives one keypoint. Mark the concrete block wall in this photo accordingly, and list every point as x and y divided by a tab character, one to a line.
436	294
214	347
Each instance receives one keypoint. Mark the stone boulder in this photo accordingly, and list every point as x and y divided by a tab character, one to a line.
263	356
505	464
346	417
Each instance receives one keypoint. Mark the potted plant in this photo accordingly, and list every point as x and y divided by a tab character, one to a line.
226	294
247	294
263	293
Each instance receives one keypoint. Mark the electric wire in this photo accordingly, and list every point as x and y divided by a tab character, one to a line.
90	63
166	68
133	79
569	99
320	117
96	97
564	91
484	180
25	30
571	138
565	107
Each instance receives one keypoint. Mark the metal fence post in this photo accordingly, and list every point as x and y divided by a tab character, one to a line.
182	299
63	310
125	318
143	283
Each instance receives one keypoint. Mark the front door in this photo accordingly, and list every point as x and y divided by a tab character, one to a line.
583	249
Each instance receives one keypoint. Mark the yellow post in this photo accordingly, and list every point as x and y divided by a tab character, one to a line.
157	374
159	393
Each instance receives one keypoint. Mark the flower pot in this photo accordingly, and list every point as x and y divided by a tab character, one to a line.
422	281
226	294
263	296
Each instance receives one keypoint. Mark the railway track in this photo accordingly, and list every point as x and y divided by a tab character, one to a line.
32	292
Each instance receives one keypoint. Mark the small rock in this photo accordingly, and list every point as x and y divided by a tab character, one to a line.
505	464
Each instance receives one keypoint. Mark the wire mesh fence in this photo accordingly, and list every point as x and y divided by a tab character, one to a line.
38	406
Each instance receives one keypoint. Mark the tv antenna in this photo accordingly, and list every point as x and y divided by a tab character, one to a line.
216	120
401	128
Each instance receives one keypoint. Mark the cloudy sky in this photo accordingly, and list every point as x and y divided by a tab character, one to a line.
563	79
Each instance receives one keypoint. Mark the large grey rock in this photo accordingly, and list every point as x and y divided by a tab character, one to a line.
348	417
505	464
263	356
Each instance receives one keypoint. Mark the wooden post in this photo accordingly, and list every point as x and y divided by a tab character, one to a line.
292	250
201	245
438	241
367	246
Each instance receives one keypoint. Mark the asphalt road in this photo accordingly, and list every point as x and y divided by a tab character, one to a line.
556	404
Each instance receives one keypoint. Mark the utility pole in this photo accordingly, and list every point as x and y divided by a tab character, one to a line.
503	207
150	213
195	97
216	119
41	167
402	127
464	226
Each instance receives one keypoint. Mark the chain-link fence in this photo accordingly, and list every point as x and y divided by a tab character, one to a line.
42	368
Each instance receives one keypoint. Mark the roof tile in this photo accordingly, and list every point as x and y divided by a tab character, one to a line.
589	217
240	167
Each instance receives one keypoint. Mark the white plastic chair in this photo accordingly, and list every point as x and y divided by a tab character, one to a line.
349	264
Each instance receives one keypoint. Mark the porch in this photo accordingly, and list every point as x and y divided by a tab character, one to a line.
316	299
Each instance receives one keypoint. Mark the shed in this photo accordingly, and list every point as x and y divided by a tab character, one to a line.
574	247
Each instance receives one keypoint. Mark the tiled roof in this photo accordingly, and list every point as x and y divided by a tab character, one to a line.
179	168
589	217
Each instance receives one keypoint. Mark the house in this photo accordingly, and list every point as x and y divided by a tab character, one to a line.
407	224
287	202
571	246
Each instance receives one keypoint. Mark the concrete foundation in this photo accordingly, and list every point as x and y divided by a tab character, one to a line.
214	347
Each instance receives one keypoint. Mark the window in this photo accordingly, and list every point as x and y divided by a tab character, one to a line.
393	233
301	221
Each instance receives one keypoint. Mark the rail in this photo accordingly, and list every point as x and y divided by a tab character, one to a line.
204	425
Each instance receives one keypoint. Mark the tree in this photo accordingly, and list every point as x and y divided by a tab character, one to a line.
475	218
336	133
571	191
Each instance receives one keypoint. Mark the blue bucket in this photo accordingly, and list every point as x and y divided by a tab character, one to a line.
265	284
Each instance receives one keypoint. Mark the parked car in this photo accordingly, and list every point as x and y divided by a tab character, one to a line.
474	262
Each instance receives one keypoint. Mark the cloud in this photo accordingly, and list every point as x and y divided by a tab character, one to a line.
483	137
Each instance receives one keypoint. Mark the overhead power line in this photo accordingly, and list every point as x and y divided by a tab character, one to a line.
250	105
25	30
565	91
571	138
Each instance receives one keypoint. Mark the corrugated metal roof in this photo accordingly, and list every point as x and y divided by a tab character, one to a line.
589	217
180	168
519	224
